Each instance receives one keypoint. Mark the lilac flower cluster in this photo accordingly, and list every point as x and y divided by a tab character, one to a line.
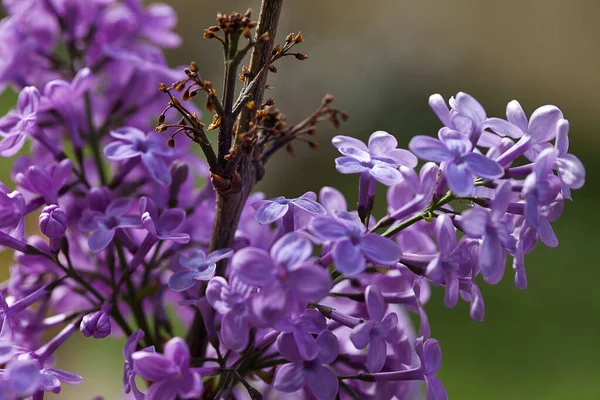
310	297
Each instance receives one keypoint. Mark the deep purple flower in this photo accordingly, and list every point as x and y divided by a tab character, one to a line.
380	159
198	267
491	226
45	181
231	301
302	329
461	163
321	381
170	374
129	373
103	225
353	245
379	330
285	274
53	222
132	142
16	125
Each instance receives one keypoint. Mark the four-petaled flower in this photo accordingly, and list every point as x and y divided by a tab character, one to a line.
17	124
198	267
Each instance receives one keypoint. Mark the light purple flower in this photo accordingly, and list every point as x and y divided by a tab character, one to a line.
153	151
541	187
380	159
570	169
17	124
156	22
493	227
353	245
379	330
321	381
25	377
165	227
170	374
103	225
466	114
285	274
231	301
129	373
198	267
302	329
413	193
269	211
12	211
45	181
430	355
461	163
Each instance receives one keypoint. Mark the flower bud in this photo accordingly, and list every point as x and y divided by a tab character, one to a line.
53	222
98	198
96	324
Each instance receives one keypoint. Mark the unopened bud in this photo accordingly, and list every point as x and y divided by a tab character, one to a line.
301	56
53	222
97	324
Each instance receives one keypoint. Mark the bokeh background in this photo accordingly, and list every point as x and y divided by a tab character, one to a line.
382	59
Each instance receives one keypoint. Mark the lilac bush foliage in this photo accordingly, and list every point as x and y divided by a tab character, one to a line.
279	296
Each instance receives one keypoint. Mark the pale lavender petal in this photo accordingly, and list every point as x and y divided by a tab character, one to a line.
128	134
571	171
376	305
456	142
376	354
502	200
291	249
64	376
182	280
476	308
459	179
28	100
445	234
100	238
490	256
469	107
310	206
12	144
435	388
562	137
121	151
543	123
348	258
311	321
439	107
328	228
357	154
163	390
270	212
253	266
380	250
290	378
473	222
483	166
307	345
235	331
432	356
309	283
516	116
451	295
348	141
502	127
157	168
381	142
323	383
403	157
344	165
23	376
430	149
332	199
385	174
218	255
214	294
547	235
170	220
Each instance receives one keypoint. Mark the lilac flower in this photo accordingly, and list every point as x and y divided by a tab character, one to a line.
466	115
571	171
53	222
165	226
198	267
444	267
321	381
103	225
353	245
25	377
413	193
170	374
541	186
269	211
377	331
285	274
132	142
430	356
380	159
12	211
491	226
333	200
156	23
301	329
45	181
231	301
16	125
129	373
461	163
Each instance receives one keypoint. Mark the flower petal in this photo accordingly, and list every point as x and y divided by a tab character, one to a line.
380	250
271	211
459	179
385	174
323	383
100	238
430	149
348	258
348	141
235	331
253	266
376	305
153	366
157	168
290	378
345	165
483	166
182	280
309	282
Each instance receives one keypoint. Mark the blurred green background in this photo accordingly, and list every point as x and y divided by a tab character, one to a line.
382	59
